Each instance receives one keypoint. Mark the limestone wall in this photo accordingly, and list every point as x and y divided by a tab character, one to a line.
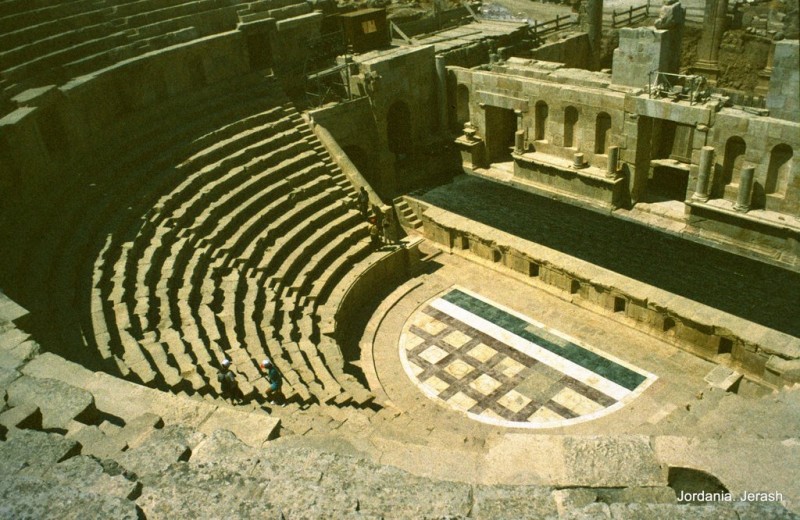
777	178
558	89
353	128
401	85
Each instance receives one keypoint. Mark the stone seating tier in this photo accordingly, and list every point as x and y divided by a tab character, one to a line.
55	43
299	232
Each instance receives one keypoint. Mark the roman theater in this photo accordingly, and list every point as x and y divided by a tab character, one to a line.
512	260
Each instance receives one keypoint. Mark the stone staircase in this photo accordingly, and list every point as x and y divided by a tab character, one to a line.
405	215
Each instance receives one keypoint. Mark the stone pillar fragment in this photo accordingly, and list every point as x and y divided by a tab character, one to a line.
704	173
441	85
745	189
613	161
708	50
594	15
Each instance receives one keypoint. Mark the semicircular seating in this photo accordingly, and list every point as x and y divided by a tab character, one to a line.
223	265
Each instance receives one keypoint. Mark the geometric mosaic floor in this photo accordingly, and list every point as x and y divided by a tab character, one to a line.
504	368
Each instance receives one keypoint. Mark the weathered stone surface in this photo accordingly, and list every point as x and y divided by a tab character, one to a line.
7	376
28	448
136	430
762	511
97	443
513	502
223	449
60	403
252	428
671	512
31	497
162	448
655	495
88	475
184	491
573	499
596	511
22	416
612	462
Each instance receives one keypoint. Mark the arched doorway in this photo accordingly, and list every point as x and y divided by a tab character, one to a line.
398	129
570	125
462	105
501	125
601	133
735	149
780	164
540	122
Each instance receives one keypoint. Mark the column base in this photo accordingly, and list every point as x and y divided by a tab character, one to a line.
708	69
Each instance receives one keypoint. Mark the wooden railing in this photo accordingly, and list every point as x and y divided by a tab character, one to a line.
630	15
542	29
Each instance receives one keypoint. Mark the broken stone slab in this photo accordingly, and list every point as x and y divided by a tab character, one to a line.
138	429
343	482
31	497
651	495
595	511
60	403
612	462
97	443
185	491
87	474
8	376
722	377
12	337
252	428
573	499
162	448
493	502
25	416
639	511
225	450
25	351
29	448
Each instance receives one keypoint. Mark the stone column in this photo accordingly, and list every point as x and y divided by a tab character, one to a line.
441	85
762	87
745	189
704	173
707	62
613	161
519	135
594	15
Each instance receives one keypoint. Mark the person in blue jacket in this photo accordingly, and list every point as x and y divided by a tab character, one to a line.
274	395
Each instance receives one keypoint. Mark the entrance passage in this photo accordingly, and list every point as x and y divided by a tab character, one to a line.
667	182
501	124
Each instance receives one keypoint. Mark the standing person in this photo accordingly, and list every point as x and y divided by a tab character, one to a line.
374	234
227	381
274	395
389	229
378	215
363	202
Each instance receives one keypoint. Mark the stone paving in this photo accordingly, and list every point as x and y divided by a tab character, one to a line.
505	369
672	375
